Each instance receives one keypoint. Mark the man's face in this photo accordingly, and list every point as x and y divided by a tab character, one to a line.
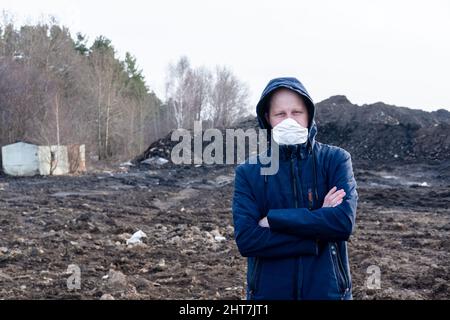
287	104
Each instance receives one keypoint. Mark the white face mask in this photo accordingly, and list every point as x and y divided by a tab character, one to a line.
289	132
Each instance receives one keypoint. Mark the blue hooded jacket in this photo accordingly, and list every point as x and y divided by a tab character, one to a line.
303	255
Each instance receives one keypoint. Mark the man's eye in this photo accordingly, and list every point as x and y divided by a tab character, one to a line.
279	114
298	112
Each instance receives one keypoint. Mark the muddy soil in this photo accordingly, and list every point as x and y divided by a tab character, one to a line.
49	223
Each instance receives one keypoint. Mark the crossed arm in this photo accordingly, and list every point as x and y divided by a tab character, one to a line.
293	232
333	199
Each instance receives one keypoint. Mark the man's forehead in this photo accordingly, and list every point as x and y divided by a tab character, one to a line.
285	95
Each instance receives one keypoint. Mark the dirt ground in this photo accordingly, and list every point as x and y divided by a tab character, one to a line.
49	223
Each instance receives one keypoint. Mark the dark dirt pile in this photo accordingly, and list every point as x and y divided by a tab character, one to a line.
376	132
163	147
385	133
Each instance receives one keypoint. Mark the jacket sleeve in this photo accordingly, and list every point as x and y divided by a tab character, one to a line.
328	224
255	241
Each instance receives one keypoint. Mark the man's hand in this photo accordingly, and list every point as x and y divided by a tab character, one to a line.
264	223
334	198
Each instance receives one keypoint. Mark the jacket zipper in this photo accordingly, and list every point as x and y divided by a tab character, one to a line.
253	278
342	274
294	187
294	182
310	199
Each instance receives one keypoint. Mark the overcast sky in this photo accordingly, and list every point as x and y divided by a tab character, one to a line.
395	51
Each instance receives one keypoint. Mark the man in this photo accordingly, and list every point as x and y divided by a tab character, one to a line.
294	226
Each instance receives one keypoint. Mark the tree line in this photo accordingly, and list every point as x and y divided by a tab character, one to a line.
56	89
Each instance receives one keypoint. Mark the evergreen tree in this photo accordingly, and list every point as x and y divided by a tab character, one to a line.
81	44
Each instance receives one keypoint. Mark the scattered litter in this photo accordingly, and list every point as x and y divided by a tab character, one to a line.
390	177
136	238
126	164
162	263
155	160
233	289
217	236
220	238
221	181
418	184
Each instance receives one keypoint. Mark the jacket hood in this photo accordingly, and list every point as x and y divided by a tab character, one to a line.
291	84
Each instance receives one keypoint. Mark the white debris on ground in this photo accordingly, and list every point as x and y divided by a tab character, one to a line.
217	236
126	164
136	238
155	160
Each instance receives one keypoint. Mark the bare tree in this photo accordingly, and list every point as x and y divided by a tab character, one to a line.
107	75
229	98
188	92
195	94
177	85
198	95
